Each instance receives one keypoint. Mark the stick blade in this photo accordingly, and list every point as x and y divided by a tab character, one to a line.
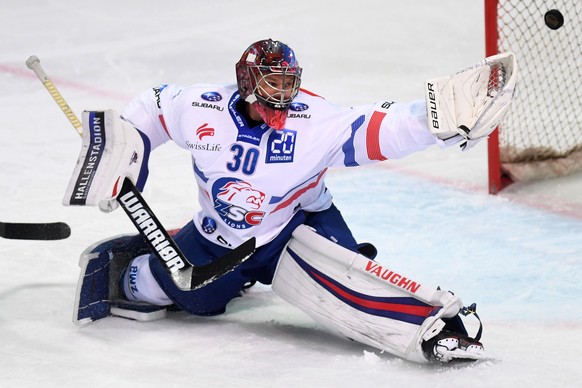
206	274
34	231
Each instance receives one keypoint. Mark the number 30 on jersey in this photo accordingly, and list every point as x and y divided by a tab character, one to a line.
280	149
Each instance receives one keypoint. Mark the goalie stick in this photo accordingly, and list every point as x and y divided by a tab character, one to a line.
34	231
183	273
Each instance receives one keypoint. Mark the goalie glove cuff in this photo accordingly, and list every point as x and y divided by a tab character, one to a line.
440	108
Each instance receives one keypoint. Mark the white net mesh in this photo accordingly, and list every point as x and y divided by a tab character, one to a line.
542	134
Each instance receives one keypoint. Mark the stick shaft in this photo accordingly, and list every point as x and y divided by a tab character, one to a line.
33	63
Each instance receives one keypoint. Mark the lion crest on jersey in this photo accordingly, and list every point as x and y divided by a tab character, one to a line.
238	203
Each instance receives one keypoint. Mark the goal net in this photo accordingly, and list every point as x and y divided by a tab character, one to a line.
541	136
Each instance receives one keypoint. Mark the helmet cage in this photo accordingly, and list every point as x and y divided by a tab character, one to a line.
275	87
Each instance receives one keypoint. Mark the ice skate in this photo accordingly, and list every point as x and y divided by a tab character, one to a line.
449	346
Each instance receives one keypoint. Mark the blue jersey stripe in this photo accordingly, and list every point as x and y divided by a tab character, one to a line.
348	147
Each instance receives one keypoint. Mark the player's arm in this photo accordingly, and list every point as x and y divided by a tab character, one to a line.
149	112
463	108
385	130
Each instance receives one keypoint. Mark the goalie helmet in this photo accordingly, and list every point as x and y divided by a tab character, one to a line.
269	76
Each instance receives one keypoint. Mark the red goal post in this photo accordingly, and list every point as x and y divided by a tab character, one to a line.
541	136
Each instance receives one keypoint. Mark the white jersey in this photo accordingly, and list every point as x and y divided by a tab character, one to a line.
252	180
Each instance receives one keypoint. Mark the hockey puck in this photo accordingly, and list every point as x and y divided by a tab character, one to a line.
554	19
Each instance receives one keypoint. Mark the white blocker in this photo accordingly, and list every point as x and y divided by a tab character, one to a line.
112	150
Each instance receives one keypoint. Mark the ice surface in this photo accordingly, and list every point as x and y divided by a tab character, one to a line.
518	255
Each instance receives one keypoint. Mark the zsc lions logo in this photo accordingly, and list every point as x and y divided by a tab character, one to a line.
211	96
238	203
298	106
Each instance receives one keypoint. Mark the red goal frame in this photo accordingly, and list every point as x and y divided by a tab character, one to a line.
498	180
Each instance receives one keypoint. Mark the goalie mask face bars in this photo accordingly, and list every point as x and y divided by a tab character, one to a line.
275	89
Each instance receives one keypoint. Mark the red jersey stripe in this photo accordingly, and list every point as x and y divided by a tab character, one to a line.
164	125
299	192
373	136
